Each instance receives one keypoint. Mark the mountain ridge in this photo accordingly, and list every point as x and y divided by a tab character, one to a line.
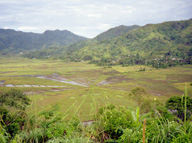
167	42
115	32
18	41
160	42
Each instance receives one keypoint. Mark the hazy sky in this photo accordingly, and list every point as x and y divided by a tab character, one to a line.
88	17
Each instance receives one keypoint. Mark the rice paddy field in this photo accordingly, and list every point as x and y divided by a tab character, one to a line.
80	88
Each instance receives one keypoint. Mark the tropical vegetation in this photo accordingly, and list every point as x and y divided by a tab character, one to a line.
169	123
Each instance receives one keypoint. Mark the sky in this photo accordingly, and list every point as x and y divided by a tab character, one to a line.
88	18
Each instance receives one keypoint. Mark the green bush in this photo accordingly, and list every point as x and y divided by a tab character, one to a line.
13	122
131	135
4	136
112	120
162	130
163	113
176	105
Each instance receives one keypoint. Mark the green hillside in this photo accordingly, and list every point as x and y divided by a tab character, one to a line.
12	41
160	45
165	42
115	32
58	52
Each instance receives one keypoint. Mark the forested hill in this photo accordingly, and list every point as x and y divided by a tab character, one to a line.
17	41
160	42
59	52
161	45
115	32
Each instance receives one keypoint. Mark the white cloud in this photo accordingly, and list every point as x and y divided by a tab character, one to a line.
87	17
94	15
104	26
27	29
6	28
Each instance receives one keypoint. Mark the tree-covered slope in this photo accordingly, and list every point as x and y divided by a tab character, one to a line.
152	41
58	52
109	34
115	32
17	41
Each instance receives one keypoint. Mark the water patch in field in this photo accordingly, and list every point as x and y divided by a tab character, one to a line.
53	77
27	85
35	85
35	75
42	91
60	79
10	85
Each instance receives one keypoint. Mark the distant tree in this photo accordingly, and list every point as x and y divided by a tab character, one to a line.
87	57
138	93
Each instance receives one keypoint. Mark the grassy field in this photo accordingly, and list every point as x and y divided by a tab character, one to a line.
105	85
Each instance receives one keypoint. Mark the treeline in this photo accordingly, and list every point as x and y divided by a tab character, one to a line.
168	59
181	56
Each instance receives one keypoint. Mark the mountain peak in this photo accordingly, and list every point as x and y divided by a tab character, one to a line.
115	32
23	41
57	31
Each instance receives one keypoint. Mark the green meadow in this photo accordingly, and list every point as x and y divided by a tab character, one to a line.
100	85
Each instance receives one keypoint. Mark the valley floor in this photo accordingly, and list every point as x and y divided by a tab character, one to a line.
80	88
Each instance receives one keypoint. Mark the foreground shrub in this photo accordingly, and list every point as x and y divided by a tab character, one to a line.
176	105
112	120
51	127
131	135
13	122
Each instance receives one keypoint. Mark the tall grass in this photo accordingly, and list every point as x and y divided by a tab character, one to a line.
115	123
185	112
